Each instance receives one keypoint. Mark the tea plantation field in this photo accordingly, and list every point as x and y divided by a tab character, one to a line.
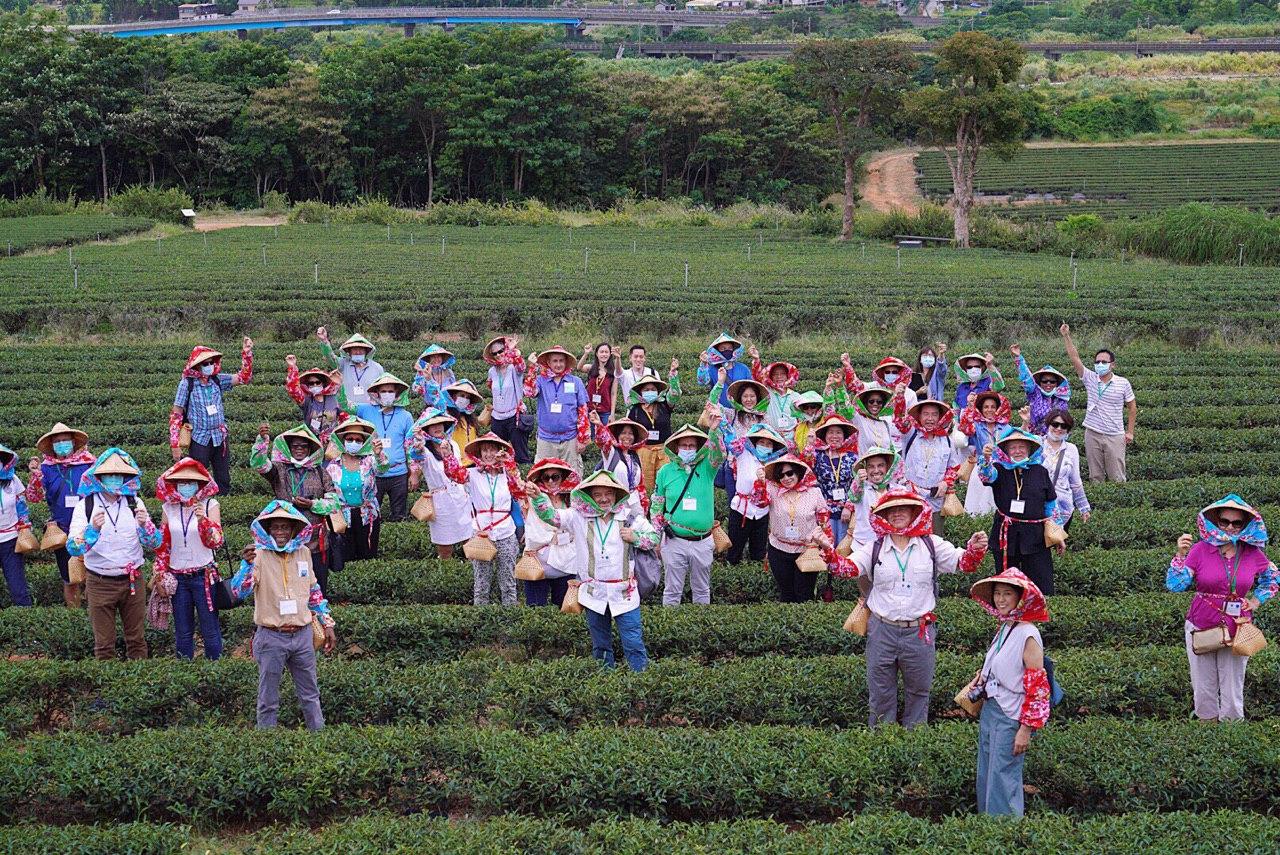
463	729
1119	180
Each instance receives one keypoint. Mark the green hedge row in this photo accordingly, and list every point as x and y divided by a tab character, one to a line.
430	581
208	776
1043	832
434	633
820	691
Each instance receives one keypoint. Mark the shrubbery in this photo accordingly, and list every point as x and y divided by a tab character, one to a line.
150	202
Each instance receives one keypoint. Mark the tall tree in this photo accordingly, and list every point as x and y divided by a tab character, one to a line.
421	76
859	84
974	107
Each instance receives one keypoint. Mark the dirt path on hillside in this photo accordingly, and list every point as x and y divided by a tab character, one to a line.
217	222
891	181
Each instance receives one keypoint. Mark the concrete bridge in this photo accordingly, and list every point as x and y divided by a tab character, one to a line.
409	17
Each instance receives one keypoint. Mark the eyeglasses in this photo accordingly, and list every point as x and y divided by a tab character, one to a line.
1232	522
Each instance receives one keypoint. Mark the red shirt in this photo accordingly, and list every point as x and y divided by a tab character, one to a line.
599	393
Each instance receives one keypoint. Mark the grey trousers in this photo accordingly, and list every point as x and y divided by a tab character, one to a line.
566	451
276	651
691	558
893	650
1105	455
505	565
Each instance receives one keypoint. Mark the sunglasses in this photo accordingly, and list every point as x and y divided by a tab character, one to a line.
790	473
551	476
1058	425
1231	522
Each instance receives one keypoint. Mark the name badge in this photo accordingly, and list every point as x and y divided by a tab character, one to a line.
1234	608
595	399
357	390
653	436
288	607
557	407
315	424
570	387
791	533
1017	506
837	494
689	503
70	501
211	409
786	422
302	570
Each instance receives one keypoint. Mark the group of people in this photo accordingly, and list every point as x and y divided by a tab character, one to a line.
852	479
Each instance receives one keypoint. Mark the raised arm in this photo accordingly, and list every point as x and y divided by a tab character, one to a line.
292	383
245	374
326	348
1072	353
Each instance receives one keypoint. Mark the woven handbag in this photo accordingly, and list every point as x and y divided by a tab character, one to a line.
26	542
479	548
856	622
529	568
570	604
971	707
811	561
719	539
1249	640
424	510
54	537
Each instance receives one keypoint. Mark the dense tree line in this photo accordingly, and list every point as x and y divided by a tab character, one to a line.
492	114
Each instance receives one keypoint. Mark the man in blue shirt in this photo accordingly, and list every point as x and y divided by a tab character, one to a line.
394	426
198	403
563	429
725	351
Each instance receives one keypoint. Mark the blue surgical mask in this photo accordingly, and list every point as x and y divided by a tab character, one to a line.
1102	368
649	397
973	373
890	377
357	358
927	361
353	446
63	447
188	490
686	455
113	483
762	454
207	369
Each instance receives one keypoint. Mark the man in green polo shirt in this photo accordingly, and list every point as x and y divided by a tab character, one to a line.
683	510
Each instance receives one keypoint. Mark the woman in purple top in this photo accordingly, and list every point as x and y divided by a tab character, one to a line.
1232	577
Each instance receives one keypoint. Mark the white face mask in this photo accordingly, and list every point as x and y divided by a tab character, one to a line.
687	454
973	373
926	361
315	389
357	358
298	461
1057	434
207	369
386	398
353	446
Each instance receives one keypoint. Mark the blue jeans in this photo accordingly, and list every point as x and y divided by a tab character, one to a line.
628	630
999	770
538	593
15	573
188	605
838	529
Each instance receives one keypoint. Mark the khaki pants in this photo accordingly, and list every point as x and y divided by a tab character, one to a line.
1105	455
652	458
106	596
566	451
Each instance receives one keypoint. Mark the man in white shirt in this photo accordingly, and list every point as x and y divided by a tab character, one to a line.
1110	401
898	575
636	371
109	532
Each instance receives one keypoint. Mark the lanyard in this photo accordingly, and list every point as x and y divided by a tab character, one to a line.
359	373
116	519
1003	636
296	481
602	538
1017	480
1103	387
904	561
284	576
186	522
493	490
1231	574
791	509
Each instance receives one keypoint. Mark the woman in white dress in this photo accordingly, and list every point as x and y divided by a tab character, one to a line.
451	524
